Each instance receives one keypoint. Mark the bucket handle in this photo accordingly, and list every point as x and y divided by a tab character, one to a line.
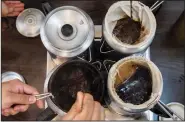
46	115
46	6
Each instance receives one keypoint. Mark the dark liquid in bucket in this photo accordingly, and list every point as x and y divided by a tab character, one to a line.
70	79
127	30
138	89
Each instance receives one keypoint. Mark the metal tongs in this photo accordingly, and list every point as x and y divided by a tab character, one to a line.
169	111
42	96
156	4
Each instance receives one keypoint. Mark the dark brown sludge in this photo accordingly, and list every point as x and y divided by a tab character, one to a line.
127	30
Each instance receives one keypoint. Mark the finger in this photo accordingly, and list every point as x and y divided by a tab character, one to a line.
6	114
18	9
97	111
76	108
7	110
87	108
13	112
22	99
17	108
20	87
21	108
40	104
20	5
2	112
13	14
12	2
10	10
29	89
102	113
79	101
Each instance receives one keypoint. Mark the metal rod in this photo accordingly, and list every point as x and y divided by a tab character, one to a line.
90	56
104	63
166	111
171	110
154	4
102	47
98	62
80	58
157	5
37	95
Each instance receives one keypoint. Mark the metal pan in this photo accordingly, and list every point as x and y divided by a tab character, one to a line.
65	81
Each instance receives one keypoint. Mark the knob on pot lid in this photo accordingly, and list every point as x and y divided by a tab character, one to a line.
29	21
67	31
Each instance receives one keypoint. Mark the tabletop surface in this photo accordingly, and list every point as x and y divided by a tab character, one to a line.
27	56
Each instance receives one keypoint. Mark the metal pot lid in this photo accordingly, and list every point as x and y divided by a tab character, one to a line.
67	31
28	22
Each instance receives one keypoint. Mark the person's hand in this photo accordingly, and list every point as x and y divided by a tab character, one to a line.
12	8
17	96
85	108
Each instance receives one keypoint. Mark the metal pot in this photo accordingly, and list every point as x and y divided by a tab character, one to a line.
115	103
67	31
63	82
142	14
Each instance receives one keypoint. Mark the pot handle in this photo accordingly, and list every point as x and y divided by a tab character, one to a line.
46	115
46	6
157	109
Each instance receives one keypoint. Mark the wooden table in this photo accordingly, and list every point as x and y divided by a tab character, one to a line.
27	56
